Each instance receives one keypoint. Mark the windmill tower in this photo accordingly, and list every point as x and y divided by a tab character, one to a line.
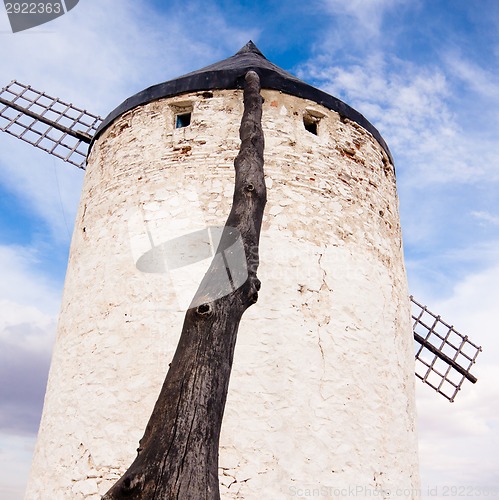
322	389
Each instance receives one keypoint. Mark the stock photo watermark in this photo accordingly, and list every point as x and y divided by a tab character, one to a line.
182	248
362	491
25	15
180	245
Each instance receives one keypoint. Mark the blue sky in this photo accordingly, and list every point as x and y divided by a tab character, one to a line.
424	72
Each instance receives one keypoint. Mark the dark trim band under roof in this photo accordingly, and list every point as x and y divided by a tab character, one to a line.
229	74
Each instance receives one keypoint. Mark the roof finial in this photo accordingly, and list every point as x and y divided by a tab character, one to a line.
251	47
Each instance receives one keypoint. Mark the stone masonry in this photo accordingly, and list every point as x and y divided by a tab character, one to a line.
322	389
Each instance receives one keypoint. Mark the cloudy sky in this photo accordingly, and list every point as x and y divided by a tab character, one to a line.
425	72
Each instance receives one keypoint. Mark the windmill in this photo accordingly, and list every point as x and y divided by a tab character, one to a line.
444	357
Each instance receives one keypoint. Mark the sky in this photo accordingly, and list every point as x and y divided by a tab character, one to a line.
424	72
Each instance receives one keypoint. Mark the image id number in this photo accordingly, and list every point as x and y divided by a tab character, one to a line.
33	8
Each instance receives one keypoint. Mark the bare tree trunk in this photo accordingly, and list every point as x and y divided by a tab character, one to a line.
178	455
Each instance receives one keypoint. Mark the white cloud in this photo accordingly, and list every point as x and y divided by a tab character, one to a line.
473	308
436	276
480	80
486	217
459	441
15	457
95	57
22	285
446	160
28	311
48	188
411	107
100	52
367	13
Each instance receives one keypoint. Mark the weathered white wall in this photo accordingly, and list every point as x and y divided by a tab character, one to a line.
321	396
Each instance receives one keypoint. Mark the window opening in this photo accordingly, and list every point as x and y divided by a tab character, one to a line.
310	123
311	119
182	120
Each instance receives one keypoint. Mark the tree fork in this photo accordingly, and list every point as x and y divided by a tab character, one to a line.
178	454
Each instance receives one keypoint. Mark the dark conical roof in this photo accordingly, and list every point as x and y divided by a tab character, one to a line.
229	74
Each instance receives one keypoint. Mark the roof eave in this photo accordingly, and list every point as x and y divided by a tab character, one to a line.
228	75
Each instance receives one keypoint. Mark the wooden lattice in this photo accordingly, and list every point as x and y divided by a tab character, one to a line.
444	356
48	123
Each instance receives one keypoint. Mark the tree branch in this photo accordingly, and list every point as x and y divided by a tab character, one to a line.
178	454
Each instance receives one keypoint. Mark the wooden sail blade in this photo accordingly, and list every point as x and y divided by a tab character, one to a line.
444	356
56	127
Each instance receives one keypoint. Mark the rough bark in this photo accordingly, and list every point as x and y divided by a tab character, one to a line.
178	455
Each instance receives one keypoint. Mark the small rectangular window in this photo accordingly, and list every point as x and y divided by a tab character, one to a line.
310	124
182	120
311	119
182	113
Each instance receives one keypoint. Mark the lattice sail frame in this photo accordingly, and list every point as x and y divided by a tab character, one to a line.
444	356
48	123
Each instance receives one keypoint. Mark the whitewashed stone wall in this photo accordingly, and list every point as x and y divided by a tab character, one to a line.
321	399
